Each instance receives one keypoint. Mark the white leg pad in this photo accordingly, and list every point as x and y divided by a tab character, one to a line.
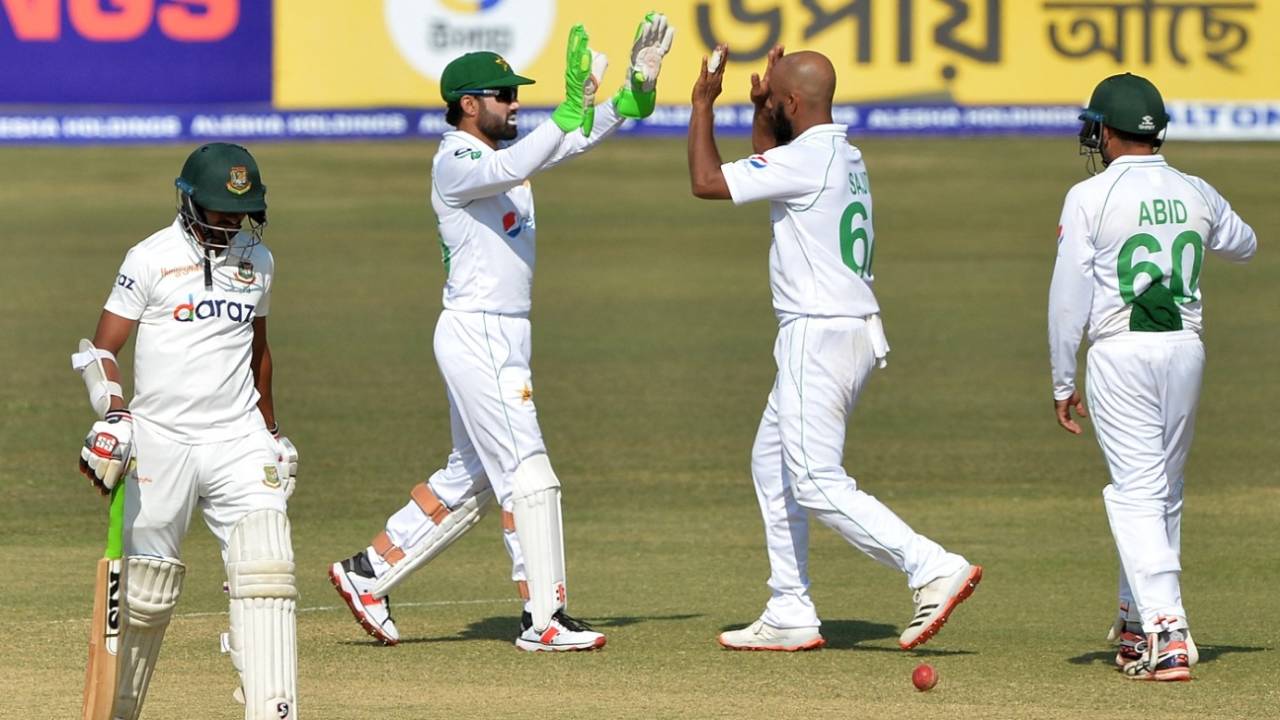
535	503
445	525
264	647
152	586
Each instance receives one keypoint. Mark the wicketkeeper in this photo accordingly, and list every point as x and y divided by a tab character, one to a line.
482	198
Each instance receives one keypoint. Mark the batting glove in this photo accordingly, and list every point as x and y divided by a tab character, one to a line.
107	449
653	40
286	461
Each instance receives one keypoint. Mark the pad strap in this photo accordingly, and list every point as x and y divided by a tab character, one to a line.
441	528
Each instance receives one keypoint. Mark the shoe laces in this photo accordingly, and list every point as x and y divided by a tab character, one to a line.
570	623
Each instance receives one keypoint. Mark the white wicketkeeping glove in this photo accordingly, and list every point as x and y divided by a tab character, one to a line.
287	461
107	449
638	95
653	42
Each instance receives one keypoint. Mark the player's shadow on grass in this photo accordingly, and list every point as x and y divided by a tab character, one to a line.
505	628
1208	653
852	634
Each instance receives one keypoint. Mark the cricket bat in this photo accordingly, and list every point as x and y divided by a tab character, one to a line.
104	637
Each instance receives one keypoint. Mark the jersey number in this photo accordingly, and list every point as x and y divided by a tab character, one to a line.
856	248
1183	286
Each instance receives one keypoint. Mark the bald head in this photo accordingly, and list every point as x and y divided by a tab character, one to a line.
808	75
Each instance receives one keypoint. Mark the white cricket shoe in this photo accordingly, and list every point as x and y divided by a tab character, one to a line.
1165	658
760	636
563	634
1132	643
934	603
354	578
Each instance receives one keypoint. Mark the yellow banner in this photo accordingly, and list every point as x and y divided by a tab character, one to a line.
338	54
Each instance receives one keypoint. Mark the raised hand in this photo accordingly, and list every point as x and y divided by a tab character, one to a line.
710	80
639	95
572	114
760	85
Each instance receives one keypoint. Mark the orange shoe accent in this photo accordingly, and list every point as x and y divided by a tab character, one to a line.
814	644
970	585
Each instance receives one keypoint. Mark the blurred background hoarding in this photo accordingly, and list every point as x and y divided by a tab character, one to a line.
139	70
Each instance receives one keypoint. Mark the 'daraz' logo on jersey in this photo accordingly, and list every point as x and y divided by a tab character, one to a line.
190	311
758	162
512	224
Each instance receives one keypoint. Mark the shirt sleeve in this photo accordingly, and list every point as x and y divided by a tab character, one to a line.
575	143
132	288
1070	294
778	174
459	177
1230	236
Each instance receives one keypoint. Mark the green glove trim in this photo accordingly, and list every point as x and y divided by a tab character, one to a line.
573	114
631	102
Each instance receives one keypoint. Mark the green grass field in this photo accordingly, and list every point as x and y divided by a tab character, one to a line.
653	334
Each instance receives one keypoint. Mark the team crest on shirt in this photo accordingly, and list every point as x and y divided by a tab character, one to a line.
270	476
245	272
758	162
239	181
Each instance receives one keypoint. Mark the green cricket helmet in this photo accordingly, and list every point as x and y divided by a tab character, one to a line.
223	178
1128	103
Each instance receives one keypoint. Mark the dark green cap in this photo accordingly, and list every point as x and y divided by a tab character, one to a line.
477	71
1128	102
224	178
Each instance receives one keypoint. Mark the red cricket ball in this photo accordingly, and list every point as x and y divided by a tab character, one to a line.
924	677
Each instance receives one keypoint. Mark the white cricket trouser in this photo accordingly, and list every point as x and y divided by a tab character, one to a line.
484	359
823	364
1143	389
226	480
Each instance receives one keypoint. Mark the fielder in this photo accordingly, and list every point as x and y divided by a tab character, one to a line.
481	195
829	339
1131	245
201	429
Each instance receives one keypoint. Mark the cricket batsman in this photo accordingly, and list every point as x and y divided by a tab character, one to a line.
1131	244
830	338
483	200
200	432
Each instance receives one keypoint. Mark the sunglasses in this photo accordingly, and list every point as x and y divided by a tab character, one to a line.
506	95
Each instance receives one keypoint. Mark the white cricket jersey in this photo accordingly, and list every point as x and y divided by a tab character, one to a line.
192	380
820	206
1137	223
484	208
